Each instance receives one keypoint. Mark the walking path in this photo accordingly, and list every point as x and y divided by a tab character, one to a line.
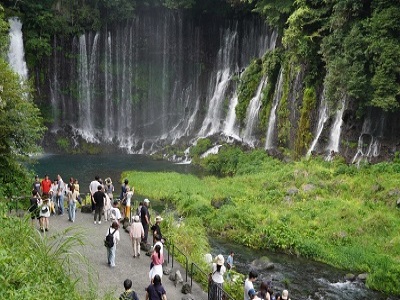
110	280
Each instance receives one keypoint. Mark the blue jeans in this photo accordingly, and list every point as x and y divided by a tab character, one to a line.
60	204
71	210
111	255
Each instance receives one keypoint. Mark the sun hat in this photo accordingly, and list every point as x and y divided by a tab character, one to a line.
158	218
146	200
219	259
285	294
136	218
252	292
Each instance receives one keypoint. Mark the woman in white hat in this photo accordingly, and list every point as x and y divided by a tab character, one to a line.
136	234
217	278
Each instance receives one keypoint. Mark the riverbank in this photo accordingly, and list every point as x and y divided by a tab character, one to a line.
328	212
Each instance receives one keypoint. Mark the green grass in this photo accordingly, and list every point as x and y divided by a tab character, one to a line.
347	218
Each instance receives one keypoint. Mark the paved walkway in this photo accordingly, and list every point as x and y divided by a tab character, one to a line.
110	280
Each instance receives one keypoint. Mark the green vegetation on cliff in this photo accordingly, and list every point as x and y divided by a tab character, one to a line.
328	212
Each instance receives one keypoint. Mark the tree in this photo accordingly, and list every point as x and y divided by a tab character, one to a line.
21	126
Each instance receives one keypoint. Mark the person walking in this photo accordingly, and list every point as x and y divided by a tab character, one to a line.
155	291
229	265
60	195
129	294
115	214
156	229
157	260
36	184
217	275
93	188
44	214
136	233
145	218
45	187
98	201
72	198
112	251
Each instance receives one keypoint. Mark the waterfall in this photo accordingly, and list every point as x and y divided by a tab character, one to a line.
16	55
252	114
231	129
155	80
212	121
334	137
369	141
269	141
323	116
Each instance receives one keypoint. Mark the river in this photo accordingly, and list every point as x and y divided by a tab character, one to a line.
305	279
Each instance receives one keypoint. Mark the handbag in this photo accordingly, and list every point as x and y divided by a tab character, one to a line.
45	209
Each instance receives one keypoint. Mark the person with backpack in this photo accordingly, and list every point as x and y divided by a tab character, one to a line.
111	241
129	294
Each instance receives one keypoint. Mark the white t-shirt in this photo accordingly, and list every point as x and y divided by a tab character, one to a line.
115	214
248	285
93	186
128	198
218	277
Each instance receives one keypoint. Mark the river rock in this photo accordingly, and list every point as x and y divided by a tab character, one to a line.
262	263
218	203
398	203
178	276
395	192
167	271
172	276
186	288
308	187
362	277
188	297
292	191
350	277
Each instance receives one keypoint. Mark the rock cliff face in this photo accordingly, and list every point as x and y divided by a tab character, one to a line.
169	78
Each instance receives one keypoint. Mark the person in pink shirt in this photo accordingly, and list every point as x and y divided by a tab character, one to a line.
136	234
157	260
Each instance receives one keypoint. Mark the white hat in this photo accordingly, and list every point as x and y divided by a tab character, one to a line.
158	218
136	218
219	259
146	200
285	294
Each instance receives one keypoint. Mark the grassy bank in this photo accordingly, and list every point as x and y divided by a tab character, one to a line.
329	212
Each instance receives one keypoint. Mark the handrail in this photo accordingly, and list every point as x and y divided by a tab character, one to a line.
225	294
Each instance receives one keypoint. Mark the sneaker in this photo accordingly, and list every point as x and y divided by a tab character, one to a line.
134	256
95	222
99	222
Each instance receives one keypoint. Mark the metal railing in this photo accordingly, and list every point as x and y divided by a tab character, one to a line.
171	253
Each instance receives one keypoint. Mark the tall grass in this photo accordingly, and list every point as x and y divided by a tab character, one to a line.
36	266
329	212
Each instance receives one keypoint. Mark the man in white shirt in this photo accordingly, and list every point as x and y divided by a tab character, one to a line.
248	284
93	189
115	213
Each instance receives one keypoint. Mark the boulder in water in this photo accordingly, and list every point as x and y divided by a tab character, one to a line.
262	263
350	277
362	277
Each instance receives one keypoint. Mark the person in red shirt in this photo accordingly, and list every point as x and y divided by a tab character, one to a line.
45	186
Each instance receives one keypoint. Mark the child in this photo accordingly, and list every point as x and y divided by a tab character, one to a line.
128	294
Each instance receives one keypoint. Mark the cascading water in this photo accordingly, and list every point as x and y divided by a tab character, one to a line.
16	54
269	141
334	137
369	140
323	116
231	129
252	114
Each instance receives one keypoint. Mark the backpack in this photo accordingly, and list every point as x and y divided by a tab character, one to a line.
109	241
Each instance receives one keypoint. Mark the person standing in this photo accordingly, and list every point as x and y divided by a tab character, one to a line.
155	291
45	187
115	214
156	229
248	284
36	184
229	265
72	197
34	206
44	214
217	270
263	293
145	218
60	195
53	193
157	260
111	252
93	188
98	201
253	295
109	188
136	233
129	195
129	294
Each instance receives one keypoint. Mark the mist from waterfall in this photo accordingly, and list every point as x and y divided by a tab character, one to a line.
16	53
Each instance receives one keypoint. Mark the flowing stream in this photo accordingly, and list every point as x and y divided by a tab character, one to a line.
306	279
